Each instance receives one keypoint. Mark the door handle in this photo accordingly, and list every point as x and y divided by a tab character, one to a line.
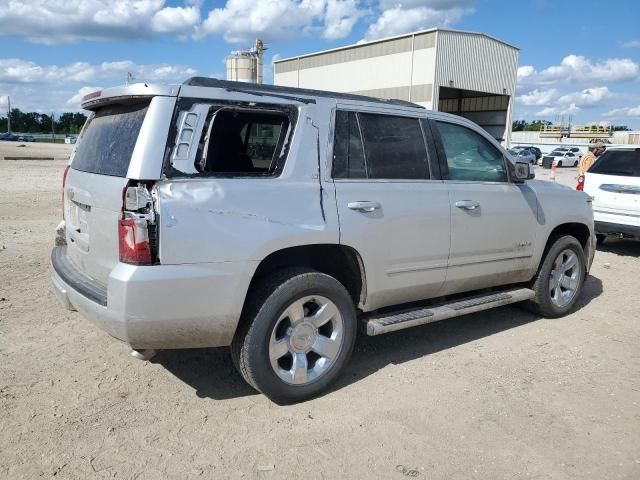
467	204
364	206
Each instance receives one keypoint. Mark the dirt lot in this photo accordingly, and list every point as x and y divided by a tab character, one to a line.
501	394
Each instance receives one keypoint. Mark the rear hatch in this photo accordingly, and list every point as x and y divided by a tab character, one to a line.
614	183
101	167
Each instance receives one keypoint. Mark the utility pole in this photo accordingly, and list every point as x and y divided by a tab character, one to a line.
53	132
8	113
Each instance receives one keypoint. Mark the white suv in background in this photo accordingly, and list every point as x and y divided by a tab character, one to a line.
613	182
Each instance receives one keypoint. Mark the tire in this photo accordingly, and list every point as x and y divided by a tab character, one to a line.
282	347
559	164
575	164
556	303
600	238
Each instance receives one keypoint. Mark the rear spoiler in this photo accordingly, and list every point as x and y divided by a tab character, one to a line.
137	90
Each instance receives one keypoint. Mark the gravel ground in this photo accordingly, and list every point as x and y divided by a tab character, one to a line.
499	394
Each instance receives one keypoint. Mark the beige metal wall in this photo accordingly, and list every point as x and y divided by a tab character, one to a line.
401	68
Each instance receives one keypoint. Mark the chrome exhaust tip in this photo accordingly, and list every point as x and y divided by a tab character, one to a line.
143	354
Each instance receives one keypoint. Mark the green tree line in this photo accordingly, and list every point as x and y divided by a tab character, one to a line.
33	122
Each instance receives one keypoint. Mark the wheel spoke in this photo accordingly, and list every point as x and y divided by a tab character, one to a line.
299	368
325	313
295	312
279	349
558	293
569	263
326	347
568	283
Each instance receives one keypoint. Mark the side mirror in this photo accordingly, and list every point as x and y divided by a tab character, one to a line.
523	171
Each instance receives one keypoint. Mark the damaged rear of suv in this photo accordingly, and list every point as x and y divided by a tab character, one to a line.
276	220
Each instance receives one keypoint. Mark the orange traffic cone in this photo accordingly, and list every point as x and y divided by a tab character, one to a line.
552	177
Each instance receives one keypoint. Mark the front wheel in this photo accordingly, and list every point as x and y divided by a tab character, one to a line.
296	335
559	164
559	280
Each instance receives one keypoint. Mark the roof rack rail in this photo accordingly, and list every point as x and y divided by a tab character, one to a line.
280	90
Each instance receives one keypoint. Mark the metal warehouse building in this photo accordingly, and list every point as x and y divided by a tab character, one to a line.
466	73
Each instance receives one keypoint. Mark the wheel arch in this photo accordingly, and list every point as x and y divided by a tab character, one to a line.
339	261
579	231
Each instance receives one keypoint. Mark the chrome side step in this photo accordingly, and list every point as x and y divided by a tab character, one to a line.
390	322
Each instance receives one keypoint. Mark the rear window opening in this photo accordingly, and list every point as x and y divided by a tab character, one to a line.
108	139
243	142
618	162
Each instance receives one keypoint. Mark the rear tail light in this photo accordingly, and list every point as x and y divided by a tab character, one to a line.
64	183
133	241
138	218
580	185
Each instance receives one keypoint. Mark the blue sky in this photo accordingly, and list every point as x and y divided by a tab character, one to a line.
579	58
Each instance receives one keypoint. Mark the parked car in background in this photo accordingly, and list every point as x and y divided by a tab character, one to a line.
26	138
180	230
523	155
70	139
9	137
536	151
559	158
613	182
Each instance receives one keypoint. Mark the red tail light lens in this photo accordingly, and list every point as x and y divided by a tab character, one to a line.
133	241
580	185
64	183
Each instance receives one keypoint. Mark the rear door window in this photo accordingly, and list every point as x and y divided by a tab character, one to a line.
394	147
618	162
348	152
244	142
376	146
108	139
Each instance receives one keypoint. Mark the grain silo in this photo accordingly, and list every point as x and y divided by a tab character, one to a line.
246	65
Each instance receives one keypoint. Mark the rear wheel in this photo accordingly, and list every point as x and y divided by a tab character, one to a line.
559	280
297	333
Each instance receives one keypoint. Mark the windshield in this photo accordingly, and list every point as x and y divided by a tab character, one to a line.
618	162
108	139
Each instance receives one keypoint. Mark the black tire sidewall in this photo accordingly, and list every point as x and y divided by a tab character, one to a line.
256	349
547	307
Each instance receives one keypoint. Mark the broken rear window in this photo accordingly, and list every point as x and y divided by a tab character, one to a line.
108	139
243	142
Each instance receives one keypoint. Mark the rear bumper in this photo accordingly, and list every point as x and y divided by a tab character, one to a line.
160	306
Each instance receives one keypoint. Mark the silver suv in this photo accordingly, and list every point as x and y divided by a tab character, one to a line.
277	220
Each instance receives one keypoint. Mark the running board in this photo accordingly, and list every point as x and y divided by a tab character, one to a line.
390	322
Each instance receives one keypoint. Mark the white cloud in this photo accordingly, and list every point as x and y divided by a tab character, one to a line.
631	44
340	17
398	20
538	97
435	4
175	19
240	21
575	68
46	88
623	112
46	21
13	70
571	109
587	97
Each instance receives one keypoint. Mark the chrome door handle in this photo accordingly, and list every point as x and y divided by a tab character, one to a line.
467	204
364	206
